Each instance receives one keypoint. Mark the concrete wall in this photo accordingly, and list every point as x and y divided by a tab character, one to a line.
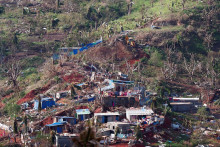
109	118
182	108
4	127
64	141
123	128
120	101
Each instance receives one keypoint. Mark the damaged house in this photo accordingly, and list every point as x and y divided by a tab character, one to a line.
106	117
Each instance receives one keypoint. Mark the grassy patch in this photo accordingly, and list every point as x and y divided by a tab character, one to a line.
34	62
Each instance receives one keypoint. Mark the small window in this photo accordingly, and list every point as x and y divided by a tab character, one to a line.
113	127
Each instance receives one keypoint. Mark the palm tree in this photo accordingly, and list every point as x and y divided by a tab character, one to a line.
162	88
39	103
138	132
87	137
73	90
25	123
15	126
117	131
154	103
217	102
52	137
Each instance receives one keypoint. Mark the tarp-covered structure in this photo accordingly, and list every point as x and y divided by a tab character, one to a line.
76	50
58	126
82	114
45	102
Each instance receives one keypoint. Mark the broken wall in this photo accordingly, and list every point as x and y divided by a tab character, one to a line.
120	101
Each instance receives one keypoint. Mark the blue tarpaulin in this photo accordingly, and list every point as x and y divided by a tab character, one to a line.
81	117
123	82
45	102
56	124
76	51
80	84
88	46
122	136
91	99
103	119
55	56
111	85
59	130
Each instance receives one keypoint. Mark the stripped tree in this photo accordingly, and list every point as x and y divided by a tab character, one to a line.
129	4
191	66
169	68
211	75
12	70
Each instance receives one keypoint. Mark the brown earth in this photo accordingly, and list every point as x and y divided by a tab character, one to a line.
33	93
118	51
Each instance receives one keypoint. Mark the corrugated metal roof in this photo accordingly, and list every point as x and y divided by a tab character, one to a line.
57	124
186	99
139	111
83	111
108	113
66	117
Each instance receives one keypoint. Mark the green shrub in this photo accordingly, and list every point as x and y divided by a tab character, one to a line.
22	94
2	10
33	62
35	77
12	108
156	59
4	93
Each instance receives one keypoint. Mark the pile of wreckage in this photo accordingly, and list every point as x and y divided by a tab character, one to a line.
109	103
114	104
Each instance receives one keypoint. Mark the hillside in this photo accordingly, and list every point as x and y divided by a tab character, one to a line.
166	46
32	28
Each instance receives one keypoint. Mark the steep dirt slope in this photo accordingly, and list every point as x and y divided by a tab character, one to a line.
118	51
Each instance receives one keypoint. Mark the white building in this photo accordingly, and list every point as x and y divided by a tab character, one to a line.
133	114
122	126
106	117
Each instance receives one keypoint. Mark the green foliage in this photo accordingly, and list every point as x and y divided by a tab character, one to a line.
66	27
162	88
85	136
15	126
55	22
26	11
203	113
2	10
156	103
117	131
22	94
156	59
92	14
35	77
41	137
4	93
33	62
149	72
29	71
138	133
11	108
57	79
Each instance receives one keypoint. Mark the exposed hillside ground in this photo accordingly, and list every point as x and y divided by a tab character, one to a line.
168	46
42	27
